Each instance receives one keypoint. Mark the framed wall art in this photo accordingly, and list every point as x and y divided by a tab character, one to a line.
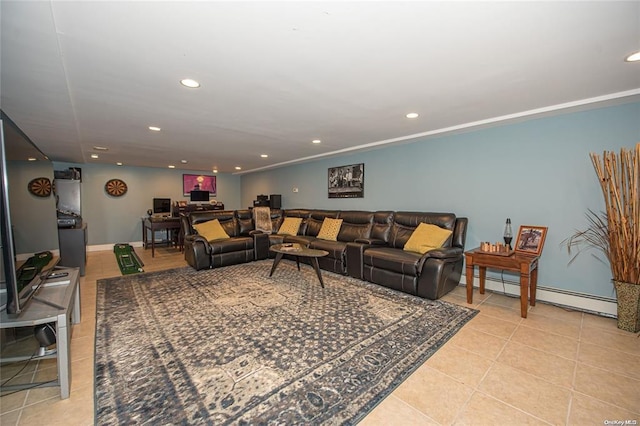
346	181
531	239
198	183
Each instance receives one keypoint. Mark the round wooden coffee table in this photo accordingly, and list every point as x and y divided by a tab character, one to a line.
298	251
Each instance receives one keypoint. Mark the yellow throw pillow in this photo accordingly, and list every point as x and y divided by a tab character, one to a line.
330	229
211	230
426	237
290	226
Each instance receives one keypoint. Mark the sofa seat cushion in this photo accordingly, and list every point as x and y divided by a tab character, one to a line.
393	259
336	249
300	239
232	244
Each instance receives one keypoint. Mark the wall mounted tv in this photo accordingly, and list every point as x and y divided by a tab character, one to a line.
199	196
162	205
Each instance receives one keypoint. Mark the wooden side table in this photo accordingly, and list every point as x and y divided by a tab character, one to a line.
525	264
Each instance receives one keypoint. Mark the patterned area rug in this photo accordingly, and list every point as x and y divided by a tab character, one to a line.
233	346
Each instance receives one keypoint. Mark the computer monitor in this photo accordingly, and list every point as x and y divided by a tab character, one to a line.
162	205
197	195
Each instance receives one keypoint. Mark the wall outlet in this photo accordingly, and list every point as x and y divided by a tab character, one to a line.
295	189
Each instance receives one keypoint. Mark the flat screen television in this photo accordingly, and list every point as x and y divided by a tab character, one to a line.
18	285
162	205
196	196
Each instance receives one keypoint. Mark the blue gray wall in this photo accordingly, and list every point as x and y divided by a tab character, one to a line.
537	172
118	219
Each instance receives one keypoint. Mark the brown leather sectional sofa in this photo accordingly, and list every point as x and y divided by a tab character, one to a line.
369	246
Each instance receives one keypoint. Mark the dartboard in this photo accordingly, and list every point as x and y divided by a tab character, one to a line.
40	187
115	187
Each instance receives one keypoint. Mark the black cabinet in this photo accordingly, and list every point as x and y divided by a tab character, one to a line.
73	247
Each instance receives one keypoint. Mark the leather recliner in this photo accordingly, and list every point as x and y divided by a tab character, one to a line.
430	275
244	245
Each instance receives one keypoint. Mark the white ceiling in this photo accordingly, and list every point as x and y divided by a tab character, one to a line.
276	75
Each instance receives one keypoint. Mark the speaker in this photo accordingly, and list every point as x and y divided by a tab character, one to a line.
275	201
46	336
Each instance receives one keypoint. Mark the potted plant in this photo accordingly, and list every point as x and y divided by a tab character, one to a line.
616	231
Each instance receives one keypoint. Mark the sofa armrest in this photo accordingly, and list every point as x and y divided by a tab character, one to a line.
195	239
260	245
439	271
444	253
355	258
197	252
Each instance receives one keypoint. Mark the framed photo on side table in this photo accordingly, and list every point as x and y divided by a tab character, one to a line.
531	239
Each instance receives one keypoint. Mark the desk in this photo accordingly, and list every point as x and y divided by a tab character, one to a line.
525	264
58	301
154	224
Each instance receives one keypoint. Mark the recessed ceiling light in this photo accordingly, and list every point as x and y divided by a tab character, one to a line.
101	148
238	168
187	82
118	164
412	115
264	156
634	57
183	161
94	155
316	141
171	166
32	159
155	128
215	170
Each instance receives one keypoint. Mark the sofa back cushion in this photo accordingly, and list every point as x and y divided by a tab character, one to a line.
277	217
227	219
355	224
382	221
315	220
245	221
404	223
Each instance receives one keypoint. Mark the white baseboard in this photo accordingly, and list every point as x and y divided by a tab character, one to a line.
109	247
583	302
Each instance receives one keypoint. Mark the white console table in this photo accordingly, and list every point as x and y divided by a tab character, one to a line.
57	301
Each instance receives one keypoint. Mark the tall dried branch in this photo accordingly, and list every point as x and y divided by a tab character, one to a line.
619	177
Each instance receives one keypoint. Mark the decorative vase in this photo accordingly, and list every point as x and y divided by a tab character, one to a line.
628	306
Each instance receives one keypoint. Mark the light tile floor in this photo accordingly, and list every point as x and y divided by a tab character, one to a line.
556	367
